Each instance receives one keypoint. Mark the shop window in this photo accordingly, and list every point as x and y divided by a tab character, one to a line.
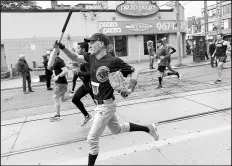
146	38
121	46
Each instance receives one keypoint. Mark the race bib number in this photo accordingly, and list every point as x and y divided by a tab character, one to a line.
95	87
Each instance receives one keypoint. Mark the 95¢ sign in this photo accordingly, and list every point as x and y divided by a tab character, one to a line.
140	27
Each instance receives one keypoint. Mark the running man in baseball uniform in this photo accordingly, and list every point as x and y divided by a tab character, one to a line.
101	64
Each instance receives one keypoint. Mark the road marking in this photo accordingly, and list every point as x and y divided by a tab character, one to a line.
142	147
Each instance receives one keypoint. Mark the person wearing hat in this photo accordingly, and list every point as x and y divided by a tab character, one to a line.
24	71
163	54
151	52
101	64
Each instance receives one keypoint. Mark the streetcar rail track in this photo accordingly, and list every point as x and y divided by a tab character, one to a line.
182	118
123	105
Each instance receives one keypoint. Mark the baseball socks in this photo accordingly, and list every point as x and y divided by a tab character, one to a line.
92	159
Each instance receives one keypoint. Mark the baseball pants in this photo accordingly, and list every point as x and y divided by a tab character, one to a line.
105	116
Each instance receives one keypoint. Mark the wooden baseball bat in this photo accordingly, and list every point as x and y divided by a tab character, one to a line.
55	50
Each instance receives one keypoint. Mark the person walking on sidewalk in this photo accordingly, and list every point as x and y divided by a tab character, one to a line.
24	71
220	54
101	64
61	84
48	73
171	51
212	48
164	56
85	88
151	52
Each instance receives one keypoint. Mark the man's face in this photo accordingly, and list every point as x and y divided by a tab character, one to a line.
158	44
23	57
219	37
79	49
95	47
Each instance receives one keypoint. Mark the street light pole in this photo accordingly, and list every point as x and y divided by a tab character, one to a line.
178	31
206	18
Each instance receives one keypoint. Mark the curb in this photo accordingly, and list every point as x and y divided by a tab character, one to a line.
142	72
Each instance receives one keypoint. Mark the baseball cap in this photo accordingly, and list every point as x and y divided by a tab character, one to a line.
99	37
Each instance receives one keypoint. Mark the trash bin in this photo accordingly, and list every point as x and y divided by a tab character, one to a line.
42	78
199	48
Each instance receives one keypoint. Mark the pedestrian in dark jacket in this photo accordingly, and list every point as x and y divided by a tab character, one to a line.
48	73
24	71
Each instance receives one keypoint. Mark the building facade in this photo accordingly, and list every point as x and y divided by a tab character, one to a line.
33	32
213	19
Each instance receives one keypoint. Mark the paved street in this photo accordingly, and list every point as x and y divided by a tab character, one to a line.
40	102
193	116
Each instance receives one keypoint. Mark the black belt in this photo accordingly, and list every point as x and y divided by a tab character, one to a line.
100	102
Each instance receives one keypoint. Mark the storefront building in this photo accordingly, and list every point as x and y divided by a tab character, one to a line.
128	28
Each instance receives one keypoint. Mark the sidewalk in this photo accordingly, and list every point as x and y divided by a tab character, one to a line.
16	83
37	132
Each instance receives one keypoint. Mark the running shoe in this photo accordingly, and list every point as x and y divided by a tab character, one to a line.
88	119
49	88
178	75
153	131
55	118
159	87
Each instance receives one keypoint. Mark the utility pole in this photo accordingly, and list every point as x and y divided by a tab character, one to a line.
218	11
206	18
220	17
178	31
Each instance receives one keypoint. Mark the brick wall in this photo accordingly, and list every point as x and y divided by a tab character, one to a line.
15	47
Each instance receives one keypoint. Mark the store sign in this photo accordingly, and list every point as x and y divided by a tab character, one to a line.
115	28
138	27
137	8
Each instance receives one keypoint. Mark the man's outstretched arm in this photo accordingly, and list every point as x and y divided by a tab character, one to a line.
72	55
